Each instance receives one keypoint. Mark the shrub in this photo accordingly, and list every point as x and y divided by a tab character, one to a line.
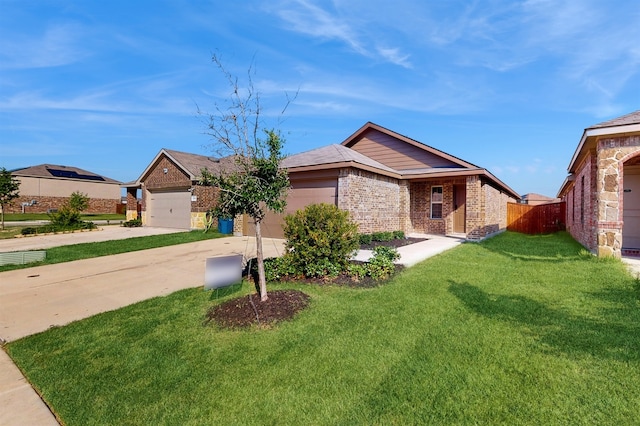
65	217
398	235
275	268
320	239
133	223
381	264
382	236
365	239
29	230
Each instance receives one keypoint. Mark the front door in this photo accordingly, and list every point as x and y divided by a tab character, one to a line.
459	210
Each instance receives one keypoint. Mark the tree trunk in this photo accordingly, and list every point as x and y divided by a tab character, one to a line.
2	214
260	255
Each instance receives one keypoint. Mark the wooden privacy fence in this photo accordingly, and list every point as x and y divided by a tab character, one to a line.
540	219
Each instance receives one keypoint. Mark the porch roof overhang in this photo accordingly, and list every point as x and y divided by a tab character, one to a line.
591	135
415	174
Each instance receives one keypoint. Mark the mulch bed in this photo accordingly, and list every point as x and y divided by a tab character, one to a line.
249	310
396	243
283	305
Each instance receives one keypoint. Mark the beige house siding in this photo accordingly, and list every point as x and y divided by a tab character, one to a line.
51	194
397	154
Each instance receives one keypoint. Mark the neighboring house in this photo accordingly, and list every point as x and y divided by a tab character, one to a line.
533	199
47	187
386	181
603	187
171	195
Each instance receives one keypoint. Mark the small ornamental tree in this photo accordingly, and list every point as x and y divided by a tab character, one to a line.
256	183
9	190
68	216
78	202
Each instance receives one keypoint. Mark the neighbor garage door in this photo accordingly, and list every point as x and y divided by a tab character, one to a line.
169	209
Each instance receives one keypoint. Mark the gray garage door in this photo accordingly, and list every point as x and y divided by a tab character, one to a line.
169	209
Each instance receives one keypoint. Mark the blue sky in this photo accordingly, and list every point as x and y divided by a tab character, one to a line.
507	85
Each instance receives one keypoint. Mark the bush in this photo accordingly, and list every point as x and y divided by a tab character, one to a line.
321	239
365	239
381	264
398	235
133	223
65	217
382	236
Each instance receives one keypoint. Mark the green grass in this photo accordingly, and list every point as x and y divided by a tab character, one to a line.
515	330
88	250
19	217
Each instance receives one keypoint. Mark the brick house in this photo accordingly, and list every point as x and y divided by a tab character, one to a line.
388	181
170	193
601	191
385	180
47	187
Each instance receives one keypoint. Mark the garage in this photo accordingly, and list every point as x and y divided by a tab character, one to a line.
302	194
171	209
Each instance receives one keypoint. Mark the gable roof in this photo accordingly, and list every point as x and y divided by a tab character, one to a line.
629	123
334	156
191	164
344	155
54	171
358	136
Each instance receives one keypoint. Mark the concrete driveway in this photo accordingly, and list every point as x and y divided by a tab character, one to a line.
35	299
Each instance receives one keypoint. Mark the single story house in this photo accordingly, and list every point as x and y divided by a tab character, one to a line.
47	187
385	180
601	191
170	191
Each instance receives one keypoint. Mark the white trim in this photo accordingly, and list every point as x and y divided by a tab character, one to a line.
600	131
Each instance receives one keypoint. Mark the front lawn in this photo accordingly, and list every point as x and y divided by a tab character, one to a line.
514	330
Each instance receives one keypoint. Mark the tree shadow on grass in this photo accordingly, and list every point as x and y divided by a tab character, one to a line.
558	247
613	337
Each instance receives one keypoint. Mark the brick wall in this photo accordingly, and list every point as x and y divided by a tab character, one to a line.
475	209
44	204
373	201
582	221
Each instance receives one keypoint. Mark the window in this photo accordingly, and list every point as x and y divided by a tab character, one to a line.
436	202
582	201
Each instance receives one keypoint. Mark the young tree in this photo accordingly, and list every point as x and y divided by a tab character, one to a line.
256	183
9	190
78	201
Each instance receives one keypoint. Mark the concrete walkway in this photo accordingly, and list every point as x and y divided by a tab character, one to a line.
35	299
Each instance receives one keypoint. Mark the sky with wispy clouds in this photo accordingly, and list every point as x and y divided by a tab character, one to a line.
507	85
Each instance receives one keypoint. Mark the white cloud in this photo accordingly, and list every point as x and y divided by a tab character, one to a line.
58	45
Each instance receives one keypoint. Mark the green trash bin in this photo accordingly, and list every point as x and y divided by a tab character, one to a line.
225	226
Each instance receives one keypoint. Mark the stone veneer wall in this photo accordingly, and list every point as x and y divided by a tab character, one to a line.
612	153
374	202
